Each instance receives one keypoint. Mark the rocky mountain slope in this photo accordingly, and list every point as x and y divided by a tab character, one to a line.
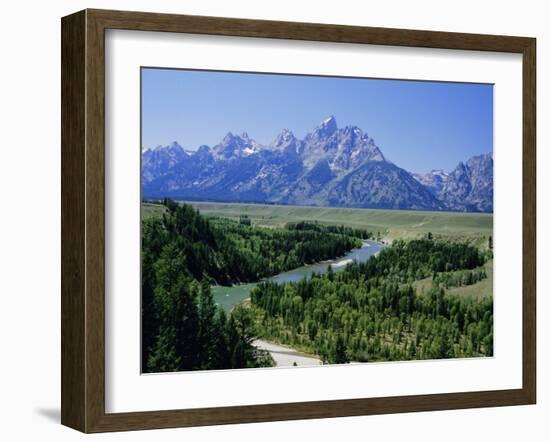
331	166
469	187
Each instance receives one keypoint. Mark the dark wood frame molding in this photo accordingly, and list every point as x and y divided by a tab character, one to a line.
83	216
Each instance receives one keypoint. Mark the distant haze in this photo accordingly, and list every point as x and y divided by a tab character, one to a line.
419	125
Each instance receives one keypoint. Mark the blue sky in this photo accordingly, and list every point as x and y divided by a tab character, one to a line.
418	125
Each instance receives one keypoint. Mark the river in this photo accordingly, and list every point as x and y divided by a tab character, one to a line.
228	297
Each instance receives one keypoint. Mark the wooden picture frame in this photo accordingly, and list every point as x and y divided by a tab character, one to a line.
83	220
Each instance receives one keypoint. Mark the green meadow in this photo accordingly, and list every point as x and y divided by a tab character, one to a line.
386	224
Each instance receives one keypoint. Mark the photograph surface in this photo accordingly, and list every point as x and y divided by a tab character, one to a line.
297	220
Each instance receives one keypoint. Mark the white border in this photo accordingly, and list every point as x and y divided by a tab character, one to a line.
127	390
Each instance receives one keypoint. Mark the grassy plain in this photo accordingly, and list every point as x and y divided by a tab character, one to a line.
387	224
481	289
150	209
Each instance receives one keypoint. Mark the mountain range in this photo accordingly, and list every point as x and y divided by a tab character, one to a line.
330	166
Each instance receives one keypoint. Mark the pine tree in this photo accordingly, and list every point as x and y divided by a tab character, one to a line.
340	356
330	273
163	357
207	326
175	306
241	337
222	353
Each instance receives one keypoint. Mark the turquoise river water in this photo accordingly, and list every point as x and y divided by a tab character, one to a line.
228	297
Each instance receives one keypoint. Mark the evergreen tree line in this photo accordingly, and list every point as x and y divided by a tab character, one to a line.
342	230
183	329
459	278
364	314
249	253
183	253
408	261
227	251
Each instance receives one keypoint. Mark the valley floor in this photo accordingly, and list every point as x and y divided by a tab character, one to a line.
475	229
386	224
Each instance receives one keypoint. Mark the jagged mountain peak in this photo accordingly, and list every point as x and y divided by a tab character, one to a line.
235	146
160	159
329	121
174	145
230	138
480	159
469	187
203	152
172	149
327	127
284	137
344	148
434	180
330	166
354	131
287	143
244	136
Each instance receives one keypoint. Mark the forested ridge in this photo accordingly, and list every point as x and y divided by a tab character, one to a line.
227	251
366	312
184	253
371	312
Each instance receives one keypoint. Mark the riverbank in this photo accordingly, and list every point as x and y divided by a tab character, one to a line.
286	356
229	297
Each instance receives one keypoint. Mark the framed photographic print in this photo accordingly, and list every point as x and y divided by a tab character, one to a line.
270	220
